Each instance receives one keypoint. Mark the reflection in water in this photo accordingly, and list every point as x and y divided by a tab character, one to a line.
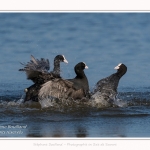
81	132
57	133
34	131
34	135
114	123
80	120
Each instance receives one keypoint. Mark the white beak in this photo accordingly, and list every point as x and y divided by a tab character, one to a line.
117	67
65	61
86	67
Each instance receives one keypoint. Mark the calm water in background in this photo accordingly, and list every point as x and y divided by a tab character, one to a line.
101	40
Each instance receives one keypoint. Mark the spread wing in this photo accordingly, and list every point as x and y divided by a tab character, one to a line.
60	88
35	67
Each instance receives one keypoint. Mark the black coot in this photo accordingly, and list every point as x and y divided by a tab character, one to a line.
37	71
107	88
76	88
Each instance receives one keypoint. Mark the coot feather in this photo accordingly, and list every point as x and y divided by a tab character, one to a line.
76	88
37	71
106	88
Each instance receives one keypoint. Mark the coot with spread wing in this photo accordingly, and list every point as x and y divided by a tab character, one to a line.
76	88
37	71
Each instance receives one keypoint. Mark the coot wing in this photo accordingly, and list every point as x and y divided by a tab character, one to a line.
108	83
60	88
42	65
35	67
100	84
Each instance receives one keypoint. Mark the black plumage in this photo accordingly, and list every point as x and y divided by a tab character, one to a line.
37	71
76	88
107	88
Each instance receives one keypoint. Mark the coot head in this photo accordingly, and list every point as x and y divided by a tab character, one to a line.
60	58
57	60
79	69
121	69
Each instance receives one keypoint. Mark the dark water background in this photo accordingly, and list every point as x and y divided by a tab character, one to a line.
101	40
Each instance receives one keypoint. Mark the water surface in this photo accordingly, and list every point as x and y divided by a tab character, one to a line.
101	40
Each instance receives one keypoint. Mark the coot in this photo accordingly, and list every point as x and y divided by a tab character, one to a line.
106	89
37	71
76	88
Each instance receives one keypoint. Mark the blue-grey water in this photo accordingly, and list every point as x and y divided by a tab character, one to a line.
102	41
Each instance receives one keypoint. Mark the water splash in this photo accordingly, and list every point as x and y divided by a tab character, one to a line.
99	100
48	102
102	100
120	103
11	101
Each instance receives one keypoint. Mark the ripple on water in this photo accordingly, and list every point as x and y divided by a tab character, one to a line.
125	99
